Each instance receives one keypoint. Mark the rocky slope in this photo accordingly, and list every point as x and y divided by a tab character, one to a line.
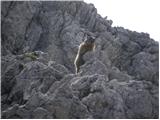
39	44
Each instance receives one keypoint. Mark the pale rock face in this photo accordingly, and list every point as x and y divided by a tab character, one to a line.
39	44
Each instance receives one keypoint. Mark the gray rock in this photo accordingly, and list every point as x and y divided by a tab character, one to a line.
93	67
132	93
100	101
120	76
40	113
23	112
10	112
142	67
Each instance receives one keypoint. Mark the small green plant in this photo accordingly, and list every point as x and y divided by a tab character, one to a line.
31	55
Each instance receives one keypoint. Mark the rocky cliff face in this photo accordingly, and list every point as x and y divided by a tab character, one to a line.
39	44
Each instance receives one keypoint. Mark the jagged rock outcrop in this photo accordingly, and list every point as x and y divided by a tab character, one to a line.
120	78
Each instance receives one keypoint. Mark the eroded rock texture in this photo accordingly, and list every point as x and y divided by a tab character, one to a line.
39	44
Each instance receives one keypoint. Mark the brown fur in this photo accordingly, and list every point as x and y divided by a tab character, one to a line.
83	48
